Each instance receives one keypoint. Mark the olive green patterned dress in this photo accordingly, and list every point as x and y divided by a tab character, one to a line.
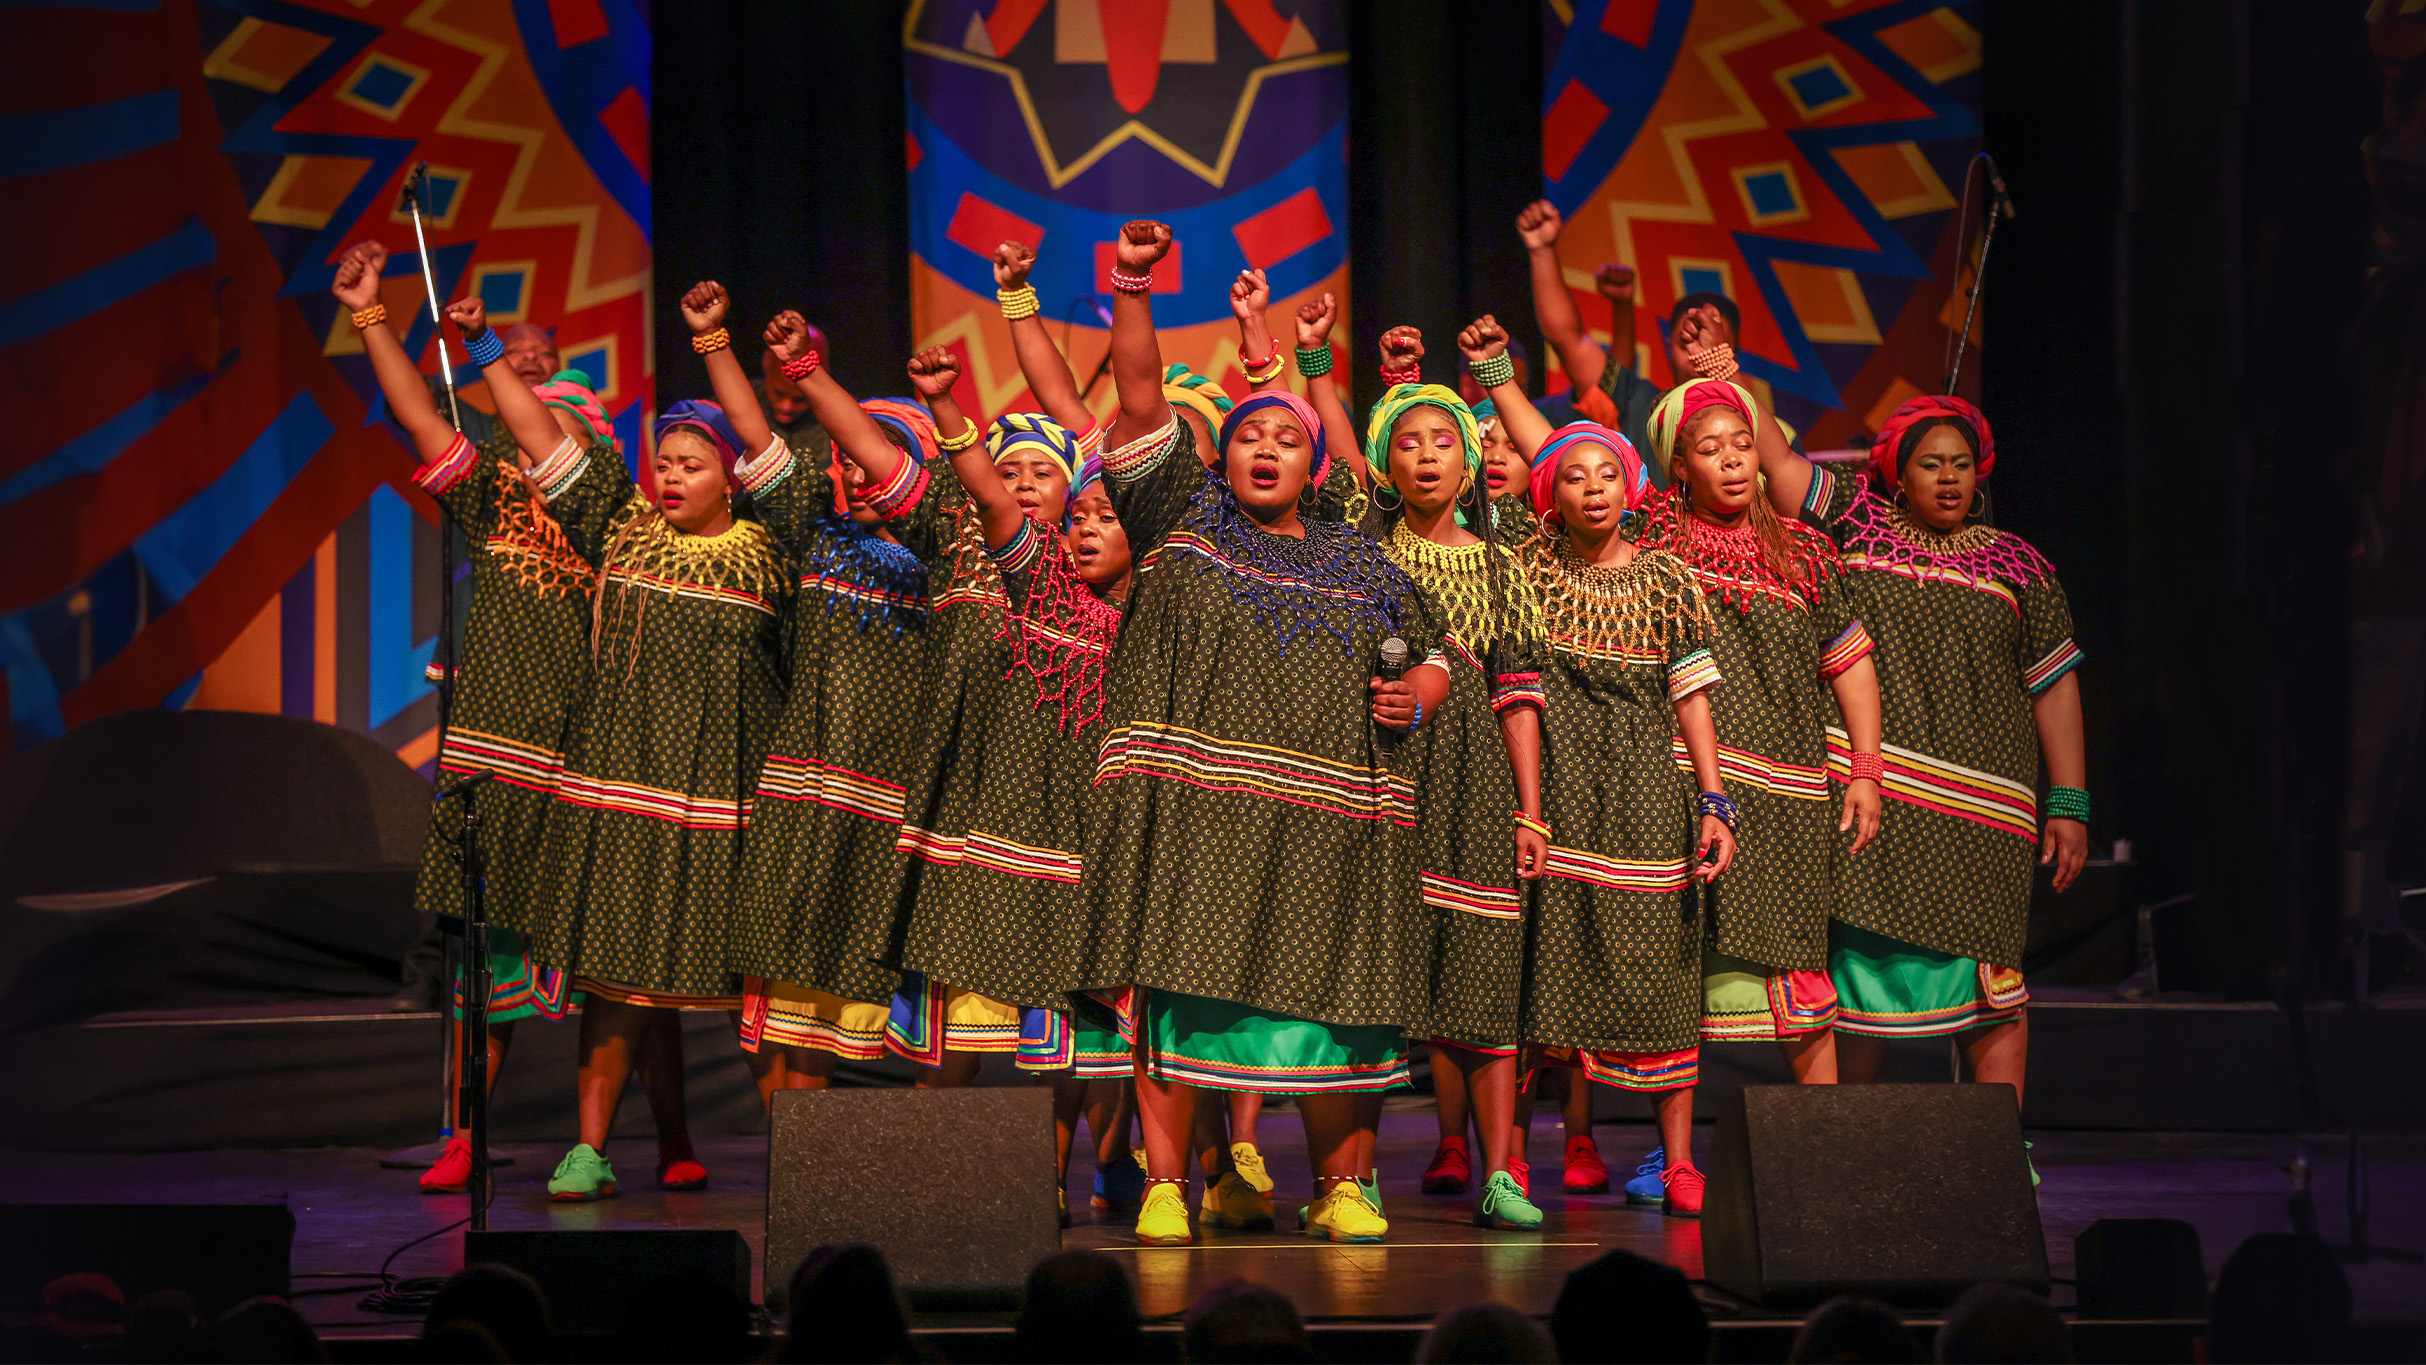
1972	628
525	652
663	747
1251	859
1777	643
820	864
1615	965
1466	788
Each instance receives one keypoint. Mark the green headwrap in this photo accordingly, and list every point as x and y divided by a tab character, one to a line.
1394	405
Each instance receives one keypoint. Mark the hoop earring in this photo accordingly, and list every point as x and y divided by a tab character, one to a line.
1387	497
1900	497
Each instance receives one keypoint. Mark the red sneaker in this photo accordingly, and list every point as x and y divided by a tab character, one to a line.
1586	1172
1684	1191
1452	1168
452	1171
1523	1171
680	1172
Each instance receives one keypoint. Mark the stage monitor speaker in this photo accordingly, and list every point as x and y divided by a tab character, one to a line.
1909	1193
222	1254
2140	1268
589	1277
955	1187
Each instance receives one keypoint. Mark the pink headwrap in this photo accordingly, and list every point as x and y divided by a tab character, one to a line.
1306	418
1885	461
1543	486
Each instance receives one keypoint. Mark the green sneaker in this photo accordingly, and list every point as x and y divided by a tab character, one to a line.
1505	1207
582	1176
2034	1170
1370	1188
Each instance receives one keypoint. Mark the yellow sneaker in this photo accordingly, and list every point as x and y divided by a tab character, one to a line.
1233	1203
1250	1164
1342	1215
1162	1217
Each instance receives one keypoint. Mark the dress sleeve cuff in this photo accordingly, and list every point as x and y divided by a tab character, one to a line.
1518	689
1090	440
767	468
2062	659
1691	674
1140	457
1850	648
1438	658
1021	553
561	468
443	473
1817	497
899	493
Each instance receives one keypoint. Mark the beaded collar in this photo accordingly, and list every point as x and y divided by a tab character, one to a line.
1332	580
1885	536
857	570
1455	577
1733	563
1626	608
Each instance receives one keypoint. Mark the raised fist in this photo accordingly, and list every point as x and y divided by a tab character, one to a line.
703	308
1314	322
1615	283
1483	339
1012	262
1539	223
357	284
1249	295
1142	243
1402	348
470	315
933	372
787	335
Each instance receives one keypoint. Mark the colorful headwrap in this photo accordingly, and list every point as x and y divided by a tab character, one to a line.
1183	385
709	421
1886	453
1299	408
571	391
1017	432
1542	488
907	421
1681	404
1090	472
1398	402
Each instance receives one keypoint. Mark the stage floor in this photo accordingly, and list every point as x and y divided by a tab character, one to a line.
350	1214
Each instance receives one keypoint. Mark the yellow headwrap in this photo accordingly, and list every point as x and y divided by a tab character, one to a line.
1394	405
1183	385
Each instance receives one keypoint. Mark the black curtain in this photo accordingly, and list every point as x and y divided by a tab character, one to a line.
1444	135
778	135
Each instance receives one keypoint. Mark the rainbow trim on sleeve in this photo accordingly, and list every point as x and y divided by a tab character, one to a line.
1849	649
1691	674
1518	689
1823	486
1141	456
563	465
768	468
1019	554
443	473
899	493
2062	659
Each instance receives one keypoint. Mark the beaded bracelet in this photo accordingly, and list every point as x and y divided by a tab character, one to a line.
1867	766
1493	371
484	348
1409	375
1419	714
801	366
709	343
1716	803
1716	363
966	438
1313	363
1534	823
1019	303
367	318
1263	371
2068	803
1125	283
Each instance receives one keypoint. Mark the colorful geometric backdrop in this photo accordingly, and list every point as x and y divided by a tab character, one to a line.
1803	157
1040	121
201	505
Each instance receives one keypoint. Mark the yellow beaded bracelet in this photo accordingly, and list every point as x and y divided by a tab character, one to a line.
1018	303
709	343
1268	371
1540	827
366	318
966	438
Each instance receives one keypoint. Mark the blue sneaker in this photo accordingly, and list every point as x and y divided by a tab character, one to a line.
1121	1186
1647	1186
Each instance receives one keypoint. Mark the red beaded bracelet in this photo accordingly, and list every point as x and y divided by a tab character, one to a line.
1126	283
1406	376
1867	765
801	368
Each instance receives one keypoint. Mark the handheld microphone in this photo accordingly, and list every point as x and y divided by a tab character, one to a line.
1393	658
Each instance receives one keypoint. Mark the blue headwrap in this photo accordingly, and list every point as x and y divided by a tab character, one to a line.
1299	408
1014	432
709	421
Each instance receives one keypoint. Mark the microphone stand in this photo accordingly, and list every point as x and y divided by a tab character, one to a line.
2000	205
1102	367
464	1064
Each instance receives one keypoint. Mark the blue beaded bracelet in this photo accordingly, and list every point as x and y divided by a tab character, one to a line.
1716	803
485	349
1419	714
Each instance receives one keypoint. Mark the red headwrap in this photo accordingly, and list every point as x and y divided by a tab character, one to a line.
1888	468
1543	486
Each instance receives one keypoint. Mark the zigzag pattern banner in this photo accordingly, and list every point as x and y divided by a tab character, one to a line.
1039	121
202	505
1802	157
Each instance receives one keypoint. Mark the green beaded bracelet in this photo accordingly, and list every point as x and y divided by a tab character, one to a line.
1494	371
1315	363
2068	803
